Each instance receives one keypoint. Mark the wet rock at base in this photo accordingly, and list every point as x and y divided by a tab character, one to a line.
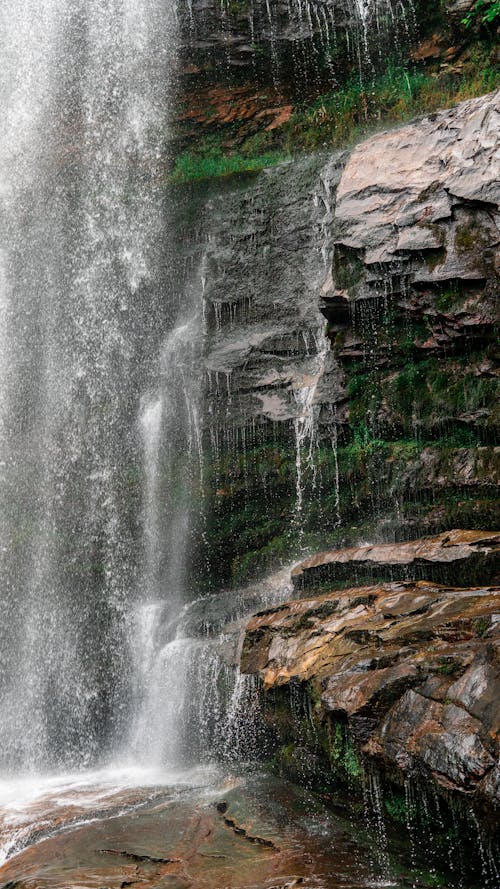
241	833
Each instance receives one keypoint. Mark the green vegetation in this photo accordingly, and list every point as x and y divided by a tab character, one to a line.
338	118
193	165
481	625
370	476
344	758
484	12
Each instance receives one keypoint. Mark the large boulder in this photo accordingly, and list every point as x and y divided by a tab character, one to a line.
416	219
425	175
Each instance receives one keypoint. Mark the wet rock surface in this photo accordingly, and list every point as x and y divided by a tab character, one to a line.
250	36
252	832
262	268
472	553
383	423
411	668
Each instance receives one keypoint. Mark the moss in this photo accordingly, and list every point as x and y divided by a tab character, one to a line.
448	667
191	165
343	757
396	807
348	268
469	237
401	93
238	7
336	118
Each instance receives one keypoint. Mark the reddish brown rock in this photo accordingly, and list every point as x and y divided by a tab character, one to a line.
238	109
240	836
413	667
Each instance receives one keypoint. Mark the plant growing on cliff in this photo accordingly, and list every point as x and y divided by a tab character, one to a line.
342	753
484	12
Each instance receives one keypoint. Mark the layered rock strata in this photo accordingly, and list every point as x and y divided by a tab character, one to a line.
411	668
388	428
463	554
285	41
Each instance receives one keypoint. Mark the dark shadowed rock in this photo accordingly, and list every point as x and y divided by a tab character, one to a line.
470	552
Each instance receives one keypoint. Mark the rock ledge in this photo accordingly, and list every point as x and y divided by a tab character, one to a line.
413	669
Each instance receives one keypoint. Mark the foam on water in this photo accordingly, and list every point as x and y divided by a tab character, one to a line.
34	807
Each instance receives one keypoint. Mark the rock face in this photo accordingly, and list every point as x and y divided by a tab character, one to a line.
269	371
386	428
428	227
456	554
285	41
426	175
263	266
412	668
411	304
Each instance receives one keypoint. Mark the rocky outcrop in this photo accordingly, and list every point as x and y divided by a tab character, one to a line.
426	173
411	304
427	226
270	376
412	669
455	554
265	345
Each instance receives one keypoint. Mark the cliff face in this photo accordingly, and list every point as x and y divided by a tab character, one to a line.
388	426
380	424
390	432
273	40
411	306
269	370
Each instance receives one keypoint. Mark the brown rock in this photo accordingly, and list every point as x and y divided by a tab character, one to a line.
413	666
444	738
353	694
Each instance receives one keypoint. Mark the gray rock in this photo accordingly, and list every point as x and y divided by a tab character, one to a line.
433	207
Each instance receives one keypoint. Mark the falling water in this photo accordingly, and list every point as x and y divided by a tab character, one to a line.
172	465
305	424
150	423
84	87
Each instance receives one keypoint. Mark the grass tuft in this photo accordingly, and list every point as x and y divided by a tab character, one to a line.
190	166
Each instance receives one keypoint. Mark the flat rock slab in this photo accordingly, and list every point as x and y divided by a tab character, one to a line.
414	668
256	833
455	556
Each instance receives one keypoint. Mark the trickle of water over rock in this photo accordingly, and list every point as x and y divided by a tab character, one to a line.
299	44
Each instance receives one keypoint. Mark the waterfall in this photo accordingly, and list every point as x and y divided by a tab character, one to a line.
172	463
84	85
